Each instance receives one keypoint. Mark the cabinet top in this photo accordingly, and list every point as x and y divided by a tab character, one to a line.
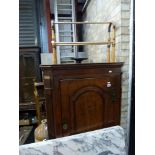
83	65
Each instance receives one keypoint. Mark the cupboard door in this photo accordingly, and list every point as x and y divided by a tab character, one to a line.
83	104
29	70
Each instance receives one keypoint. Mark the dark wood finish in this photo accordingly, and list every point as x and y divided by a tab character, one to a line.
82	97
29	61
27	106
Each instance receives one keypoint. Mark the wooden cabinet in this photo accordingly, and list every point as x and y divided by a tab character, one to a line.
29	61
82	97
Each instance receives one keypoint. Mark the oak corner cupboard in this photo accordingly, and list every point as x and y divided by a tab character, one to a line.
82	97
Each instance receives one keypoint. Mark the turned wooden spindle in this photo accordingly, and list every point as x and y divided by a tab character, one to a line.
109	43
108	53
54	55
113	44
37	103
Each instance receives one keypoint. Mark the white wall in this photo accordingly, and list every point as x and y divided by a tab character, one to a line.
118	12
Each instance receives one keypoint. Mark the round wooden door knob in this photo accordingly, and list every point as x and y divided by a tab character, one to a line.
65	126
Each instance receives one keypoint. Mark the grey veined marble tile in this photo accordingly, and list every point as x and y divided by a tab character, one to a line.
108	141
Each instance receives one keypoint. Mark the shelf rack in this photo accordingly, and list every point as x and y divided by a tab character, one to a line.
110	40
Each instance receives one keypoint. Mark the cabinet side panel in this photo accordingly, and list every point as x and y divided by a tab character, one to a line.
48	87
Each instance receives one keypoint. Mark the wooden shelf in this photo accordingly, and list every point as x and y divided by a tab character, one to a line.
28	106
26	122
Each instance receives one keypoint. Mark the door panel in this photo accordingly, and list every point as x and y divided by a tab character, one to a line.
88	112
83	104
